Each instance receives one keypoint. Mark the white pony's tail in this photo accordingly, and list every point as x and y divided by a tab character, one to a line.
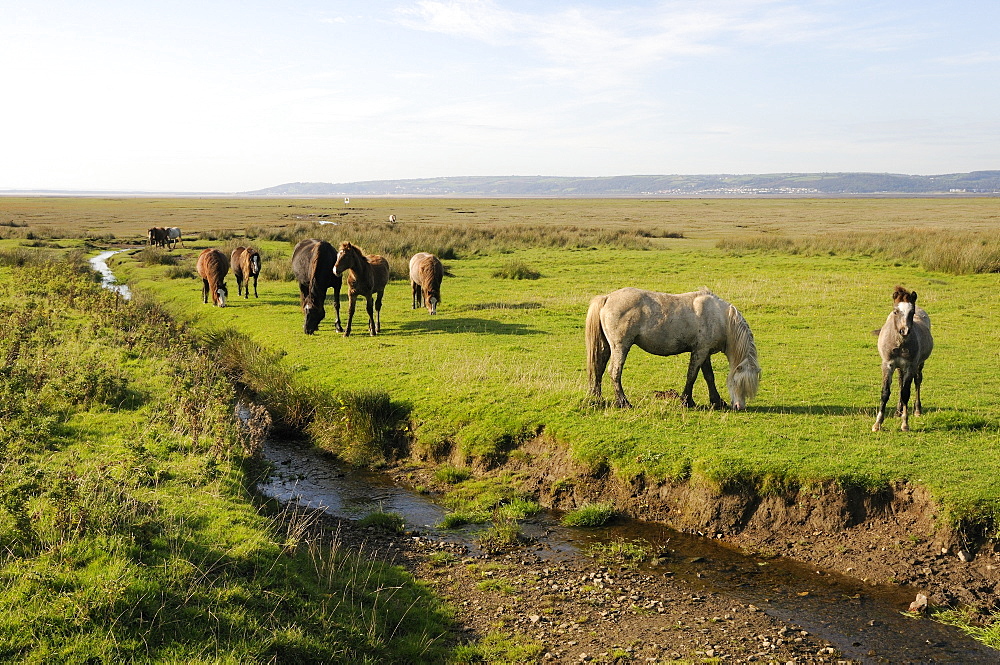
744	370
597	344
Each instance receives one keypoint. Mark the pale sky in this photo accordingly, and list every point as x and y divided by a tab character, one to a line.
201	95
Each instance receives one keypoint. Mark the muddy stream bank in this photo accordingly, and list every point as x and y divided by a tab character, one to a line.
864	623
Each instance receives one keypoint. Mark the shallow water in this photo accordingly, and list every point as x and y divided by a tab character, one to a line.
863	622
100	264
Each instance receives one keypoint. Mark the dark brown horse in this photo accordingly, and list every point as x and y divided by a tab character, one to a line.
904	342
426	273
212	268
157	237
246	264
368	278
312	263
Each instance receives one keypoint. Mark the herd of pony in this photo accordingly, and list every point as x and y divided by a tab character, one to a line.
318	267
168	237
663	324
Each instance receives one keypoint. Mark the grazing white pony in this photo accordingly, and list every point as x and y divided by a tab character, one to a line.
904	342
174	236
666	325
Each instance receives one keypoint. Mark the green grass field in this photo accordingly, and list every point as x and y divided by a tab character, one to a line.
129	530
503	360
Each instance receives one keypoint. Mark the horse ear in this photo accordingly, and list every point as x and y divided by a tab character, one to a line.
898	295
913	297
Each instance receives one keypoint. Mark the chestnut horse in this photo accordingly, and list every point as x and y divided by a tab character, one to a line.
246	264
904	342
368	278
426	273
212	268
666	325
312	263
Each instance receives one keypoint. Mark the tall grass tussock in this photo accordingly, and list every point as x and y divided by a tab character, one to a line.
940	250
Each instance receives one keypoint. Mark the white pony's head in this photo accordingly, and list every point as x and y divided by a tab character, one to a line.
744	371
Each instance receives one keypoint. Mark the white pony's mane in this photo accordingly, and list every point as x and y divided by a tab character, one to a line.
744	370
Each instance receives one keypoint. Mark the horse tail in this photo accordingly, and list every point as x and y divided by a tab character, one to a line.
744	370
596	341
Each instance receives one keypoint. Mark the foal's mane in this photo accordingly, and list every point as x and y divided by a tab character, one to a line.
902	294
346	246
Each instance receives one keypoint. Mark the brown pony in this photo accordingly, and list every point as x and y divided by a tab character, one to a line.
212	268
904	342
246	264
426	273
157	236
369	276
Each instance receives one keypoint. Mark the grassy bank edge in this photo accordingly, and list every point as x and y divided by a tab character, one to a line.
153	535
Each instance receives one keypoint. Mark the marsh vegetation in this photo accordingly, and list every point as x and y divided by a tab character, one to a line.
501	365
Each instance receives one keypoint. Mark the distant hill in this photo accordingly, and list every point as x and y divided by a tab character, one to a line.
771	184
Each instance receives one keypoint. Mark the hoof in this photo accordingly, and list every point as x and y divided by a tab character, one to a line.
876	427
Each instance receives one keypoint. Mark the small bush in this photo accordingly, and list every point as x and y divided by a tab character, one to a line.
391	522
590	514
451	474
440	559
277	270
217	235
502	535
629	553
180	272
460	518
499	648
516	269
155	256
17	257
518	509
500	586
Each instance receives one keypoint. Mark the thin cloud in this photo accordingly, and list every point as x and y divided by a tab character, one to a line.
601	47
970	59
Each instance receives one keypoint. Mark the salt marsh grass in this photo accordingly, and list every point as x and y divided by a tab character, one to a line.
502	361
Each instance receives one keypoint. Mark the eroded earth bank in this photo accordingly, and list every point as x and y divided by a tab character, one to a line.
825	577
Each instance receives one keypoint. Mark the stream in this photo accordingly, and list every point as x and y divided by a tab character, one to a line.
100	265
865	623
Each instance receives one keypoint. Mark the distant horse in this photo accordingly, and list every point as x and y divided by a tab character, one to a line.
246	264
157	237
392	219
368	278
904	342
665	325
212	268
312	263
426	273
174	236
